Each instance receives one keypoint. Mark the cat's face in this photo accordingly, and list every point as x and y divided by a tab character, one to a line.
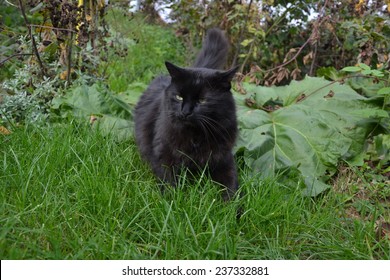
197	97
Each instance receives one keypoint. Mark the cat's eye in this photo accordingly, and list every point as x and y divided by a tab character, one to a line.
178	97
202	101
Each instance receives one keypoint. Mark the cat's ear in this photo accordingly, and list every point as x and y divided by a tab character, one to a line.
175	71
229	74
224	78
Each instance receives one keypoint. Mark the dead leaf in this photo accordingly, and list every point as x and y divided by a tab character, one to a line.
250	102
307	58
64	74
360	7
92	119
330	94
4	131
282	73
382	229
289	54
295	73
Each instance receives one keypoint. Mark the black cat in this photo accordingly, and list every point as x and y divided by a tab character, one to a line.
188	119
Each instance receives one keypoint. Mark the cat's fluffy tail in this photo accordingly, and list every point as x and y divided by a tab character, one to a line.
214	51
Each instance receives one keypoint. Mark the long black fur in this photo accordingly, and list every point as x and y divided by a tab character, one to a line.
188	119
214	51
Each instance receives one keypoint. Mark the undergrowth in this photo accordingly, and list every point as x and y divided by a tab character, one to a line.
138	50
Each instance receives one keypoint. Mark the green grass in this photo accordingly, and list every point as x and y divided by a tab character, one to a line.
68	192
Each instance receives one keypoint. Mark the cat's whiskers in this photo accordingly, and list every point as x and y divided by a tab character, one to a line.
215	125
206	130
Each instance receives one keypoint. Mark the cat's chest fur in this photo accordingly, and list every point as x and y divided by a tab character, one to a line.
188	147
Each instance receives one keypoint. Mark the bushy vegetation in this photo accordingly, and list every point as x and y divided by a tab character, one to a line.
138	51
313	154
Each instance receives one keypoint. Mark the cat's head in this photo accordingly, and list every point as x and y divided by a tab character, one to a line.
198	95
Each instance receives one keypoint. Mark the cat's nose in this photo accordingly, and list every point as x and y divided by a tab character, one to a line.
186	111
185	115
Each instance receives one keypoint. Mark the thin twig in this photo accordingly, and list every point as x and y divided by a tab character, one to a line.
313	60
70	43
34	45
322	14
12	56
253	42
317	24
292	59
11	4
318	89
241	35
342	80
246	58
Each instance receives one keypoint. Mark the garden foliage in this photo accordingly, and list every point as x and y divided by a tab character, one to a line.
308	126
96	104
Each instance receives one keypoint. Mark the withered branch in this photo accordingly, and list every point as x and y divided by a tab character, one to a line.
34	44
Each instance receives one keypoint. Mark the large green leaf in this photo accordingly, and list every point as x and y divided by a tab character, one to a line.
310	126
106	111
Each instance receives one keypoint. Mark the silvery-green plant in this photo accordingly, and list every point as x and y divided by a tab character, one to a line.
26	97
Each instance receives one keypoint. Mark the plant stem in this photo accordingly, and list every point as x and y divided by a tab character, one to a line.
246	58
12	56
311	72
34	44
70	43
313	36
241	35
